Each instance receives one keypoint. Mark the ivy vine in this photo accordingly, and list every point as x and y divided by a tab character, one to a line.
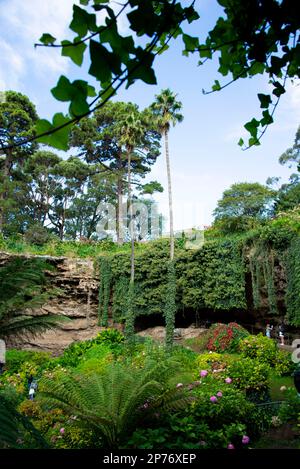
104	290
170	305
293	283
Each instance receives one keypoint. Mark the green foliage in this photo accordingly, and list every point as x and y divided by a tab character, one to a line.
16	358
260	347
203	424
250	375
130	314
112	402
225	338
170	305
37	234
293	283
16	431
241	205
249	40
104	290
23	285
266	351
72	355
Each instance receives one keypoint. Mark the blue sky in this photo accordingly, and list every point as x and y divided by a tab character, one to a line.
206	159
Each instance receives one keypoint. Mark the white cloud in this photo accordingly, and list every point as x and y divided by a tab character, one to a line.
21	25
11	66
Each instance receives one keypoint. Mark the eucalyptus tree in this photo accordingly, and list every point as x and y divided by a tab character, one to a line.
166	111
98	140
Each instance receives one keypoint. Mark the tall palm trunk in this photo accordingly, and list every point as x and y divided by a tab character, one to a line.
119	223
166	135
131	217
170	306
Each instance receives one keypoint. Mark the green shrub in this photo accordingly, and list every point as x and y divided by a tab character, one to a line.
266	351
38	235
252	376
203	424
260	347
225	337
15	359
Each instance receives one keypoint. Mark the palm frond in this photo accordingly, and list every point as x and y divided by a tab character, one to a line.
14	427
111	402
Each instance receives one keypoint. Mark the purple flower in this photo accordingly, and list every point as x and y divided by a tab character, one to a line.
219	394
62	431
179	385
213	399
228	380
230	446
146	405
202	443
245	439
203	373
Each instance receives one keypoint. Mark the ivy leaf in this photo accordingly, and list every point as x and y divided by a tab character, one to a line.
141	68
279	89
267	119
216	86
265	100
47	39
60	138
82	21
103	62
74	50
191	43
63	91
252	127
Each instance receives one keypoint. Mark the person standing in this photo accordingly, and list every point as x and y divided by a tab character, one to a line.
268	330
281	333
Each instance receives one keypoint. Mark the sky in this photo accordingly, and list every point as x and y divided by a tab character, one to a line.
205	157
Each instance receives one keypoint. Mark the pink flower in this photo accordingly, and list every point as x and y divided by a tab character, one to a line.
228	380
62	431
146	405
213	399
245	439
203	373
179	385
219	394
230	446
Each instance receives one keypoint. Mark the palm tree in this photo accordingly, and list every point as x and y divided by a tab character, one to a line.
166	110
113	402
132	131
24	286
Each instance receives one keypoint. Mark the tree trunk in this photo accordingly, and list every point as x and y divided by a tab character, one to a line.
131	216
119	220
170	194
3	194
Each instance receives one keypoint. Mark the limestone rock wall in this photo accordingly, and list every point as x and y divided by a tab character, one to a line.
77	280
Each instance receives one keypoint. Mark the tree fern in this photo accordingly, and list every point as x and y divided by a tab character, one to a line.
24	286
15	428
113	402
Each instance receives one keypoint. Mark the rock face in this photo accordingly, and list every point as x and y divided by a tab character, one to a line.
77	280
159	332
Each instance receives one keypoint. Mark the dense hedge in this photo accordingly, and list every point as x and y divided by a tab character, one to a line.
212	277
